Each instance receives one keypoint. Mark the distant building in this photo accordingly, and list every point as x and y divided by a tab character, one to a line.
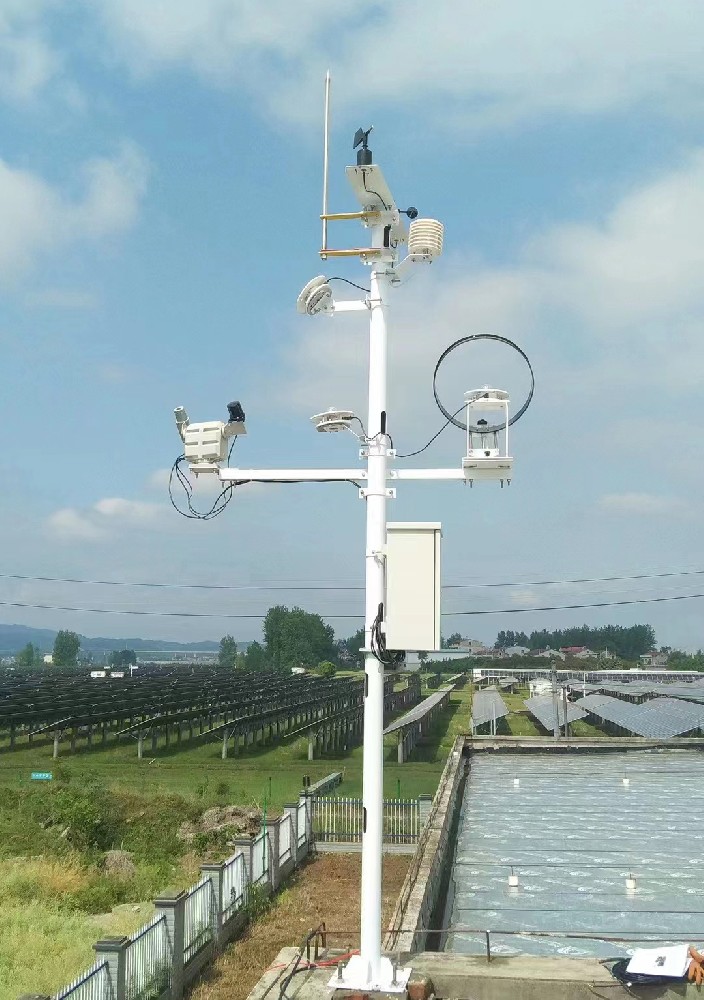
578	652
516	651
469	647
48	659
654	659
549	654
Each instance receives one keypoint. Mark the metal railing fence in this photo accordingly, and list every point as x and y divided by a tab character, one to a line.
338	819
302	822
260	858
148	962
199	919
234	886
93	984
285	838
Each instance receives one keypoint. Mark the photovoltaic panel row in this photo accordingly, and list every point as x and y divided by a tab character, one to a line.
659	718
487	705
543	709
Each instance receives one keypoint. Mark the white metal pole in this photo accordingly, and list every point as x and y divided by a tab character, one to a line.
373	766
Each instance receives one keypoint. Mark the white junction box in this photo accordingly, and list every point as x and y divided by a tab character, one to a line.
413	585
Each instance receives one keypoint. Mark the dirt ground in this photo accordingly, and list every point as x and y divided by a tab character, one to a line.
327	888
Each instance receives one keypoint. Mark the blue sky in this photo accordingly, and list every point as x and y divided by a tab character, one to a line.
159	198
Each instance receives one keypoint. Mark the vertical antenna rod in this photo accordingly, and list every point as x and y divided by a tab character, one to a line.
326	138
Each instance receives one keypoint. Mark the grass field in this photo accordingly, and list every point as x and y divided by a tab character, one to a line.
276	772
55	900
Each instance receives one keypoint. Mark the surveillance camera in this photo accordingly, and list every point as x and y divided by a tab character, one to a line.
181	419
235	411
235	424
316	297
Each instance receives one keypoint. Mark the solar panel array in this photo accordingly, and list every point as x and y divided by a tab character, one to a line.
543	709
487	705
659	718
506	682
691	691
419	711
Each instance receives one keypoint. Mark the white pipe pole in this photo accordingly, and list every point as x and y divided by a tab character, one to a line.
326	142
373	765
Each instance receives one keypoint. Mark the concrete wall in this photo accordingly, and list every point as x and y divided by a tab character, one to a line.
419	895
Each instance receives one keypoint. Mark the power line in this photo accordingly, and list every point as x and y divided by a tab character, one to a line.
142	612
572	607
447	614
340	587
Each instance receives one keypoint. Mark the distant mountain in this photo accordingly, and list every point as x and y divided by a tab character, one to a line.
14	637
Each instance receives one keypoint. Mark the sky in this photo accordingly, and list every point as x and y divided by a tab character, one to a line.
160	188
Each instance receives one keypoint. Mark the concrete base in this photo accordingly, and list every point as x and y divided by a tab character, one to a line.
465	977
355	977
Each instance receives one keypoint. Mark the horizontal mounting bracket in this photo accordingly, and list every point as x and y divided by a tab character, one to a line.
390	494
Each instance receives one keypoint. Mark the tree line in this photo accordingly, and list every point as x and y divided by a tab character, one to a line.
626	642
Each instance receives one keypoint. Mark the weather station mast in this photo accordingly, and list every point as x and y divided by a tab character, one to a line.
392	250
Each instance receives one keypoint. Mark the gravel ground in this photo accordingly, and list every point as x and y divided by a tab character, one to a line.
326	889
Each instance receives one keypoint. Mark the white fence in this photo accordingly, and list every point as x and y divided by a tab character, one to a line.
260	858
162	958
285	839
149	961
198	920
337	819
234	885
93	984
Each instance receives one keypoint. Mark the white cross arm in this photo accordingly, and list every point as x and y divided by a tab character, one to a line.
333	475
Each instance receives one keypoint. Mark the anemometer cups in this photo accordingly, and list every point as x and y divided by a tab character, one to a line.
316	297
485	429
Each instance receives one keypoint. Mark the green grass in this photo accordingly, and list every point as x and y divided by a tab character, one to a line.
196	771
51	889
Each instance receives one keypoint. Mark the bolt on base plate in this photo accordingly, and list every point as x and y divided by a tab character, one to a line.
356	975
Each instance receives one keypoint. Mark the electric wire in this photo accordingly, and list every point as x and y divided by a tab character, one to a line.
279	585
357	617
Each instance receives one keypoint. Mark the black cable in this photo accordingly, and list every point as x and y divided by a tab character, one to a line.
353	283
411	454
372	191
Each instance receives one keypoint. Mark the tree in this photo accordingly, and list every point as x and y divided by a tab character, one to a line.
422	656
452	640
348	650
295	638
227	654
122	658
326	669
255	658
66	647
28	656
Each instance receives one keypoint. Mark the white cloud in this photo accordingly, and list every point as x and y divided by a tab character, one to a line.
28	61
39	218
69	524
159	479
613	307
645	504
480	63
103	520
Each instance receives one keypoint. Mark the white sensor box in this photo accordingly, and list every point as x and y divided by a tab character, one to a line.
413	585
